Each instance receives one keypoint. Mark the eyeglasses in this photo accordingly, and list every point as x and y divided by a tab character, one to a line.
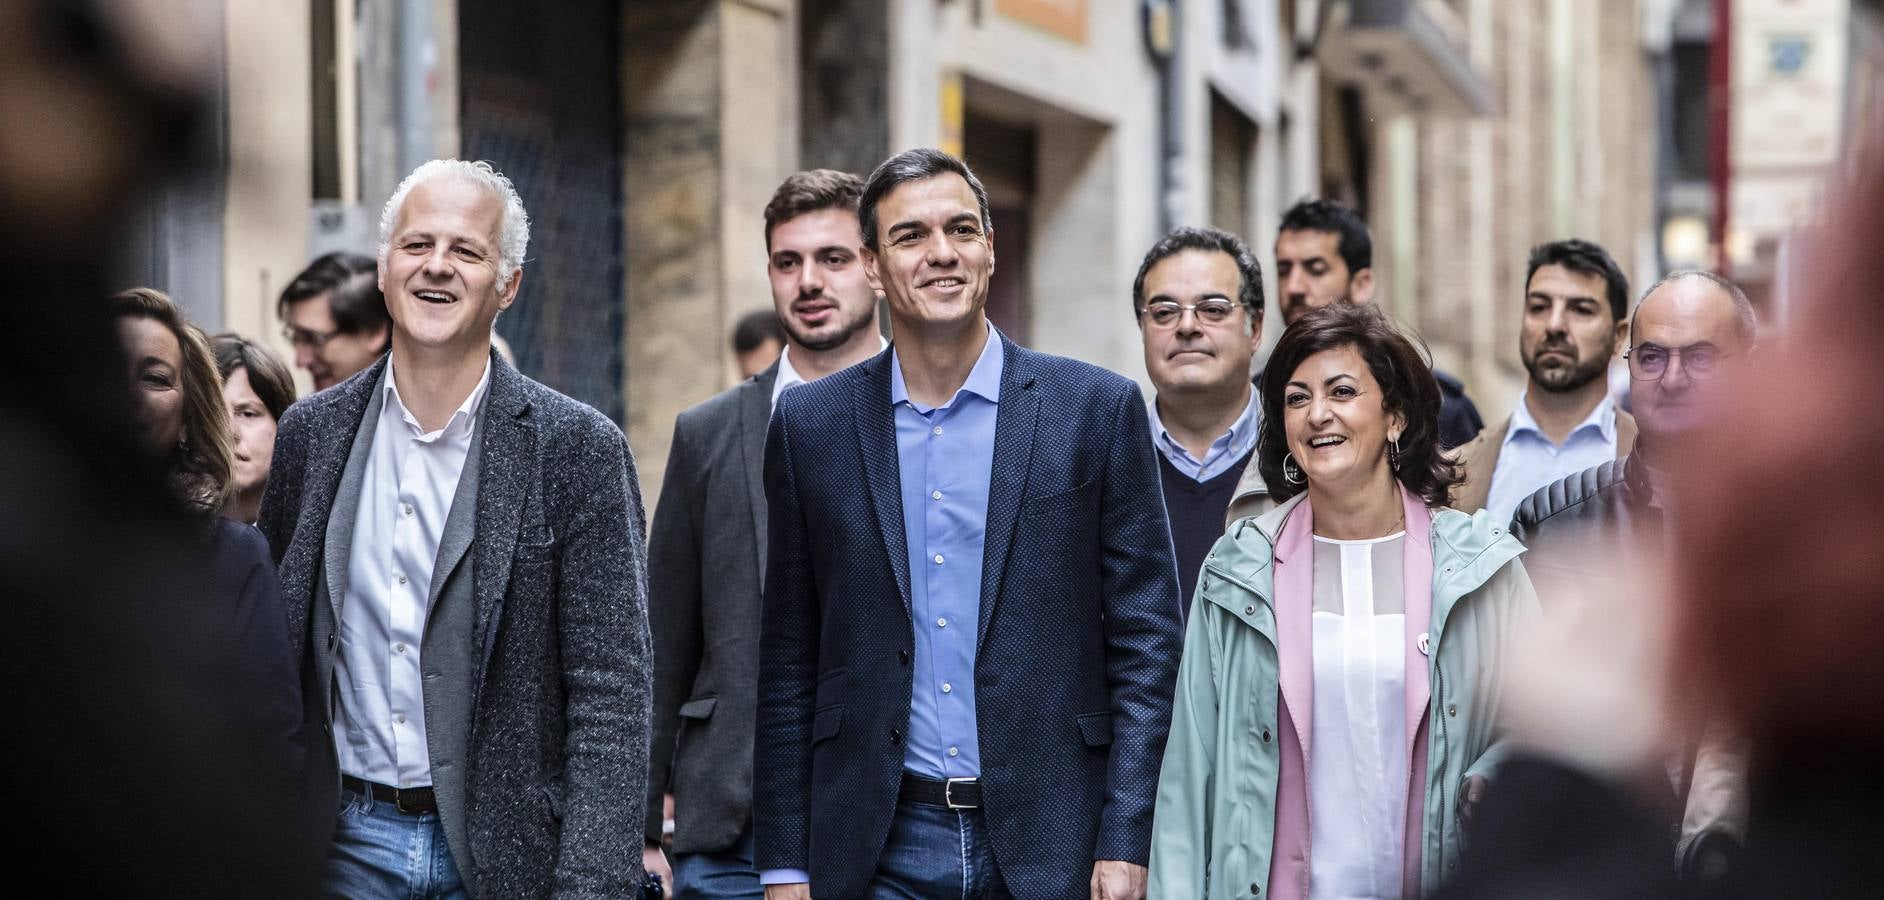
1649	362
313	340
1166	314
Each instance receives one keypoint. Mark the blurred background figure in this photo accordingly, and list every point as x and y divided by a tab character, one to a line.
335	317
758	340
257	389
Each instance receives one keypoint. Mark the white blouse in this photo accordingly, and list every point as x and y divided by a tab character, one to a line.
1357	753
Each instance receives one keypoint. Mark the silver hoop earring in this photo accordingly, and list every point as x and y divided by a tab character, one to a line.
1291	471
1393	454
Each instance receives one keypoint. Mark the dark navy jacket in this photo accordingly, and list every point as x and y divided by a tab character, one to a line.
1079	634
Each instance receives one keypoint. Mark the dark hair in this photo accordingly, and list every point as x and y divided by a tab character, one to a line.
1583	258
1407	387
268	376
1249	272
1353	242
754	328
907	166
200	468
351	283
808	192
1743	308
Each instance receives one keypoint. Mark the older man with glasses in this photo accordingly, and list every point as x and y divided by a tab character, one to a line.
1199	302
1604	531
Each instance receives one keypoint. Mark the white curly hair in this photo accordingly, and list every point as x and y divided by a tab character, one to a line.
513	229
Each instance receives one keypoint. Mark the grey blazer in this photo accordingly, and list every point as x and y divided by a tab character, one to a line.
706	561
536	649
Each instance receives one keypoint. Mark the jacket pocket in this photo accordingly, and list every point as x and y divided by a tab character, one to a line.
553	794
701	708
826	723
1060	501
1095	728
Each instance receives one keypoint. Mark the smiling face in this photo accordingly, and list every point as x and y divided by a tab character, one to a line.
1568	334
933	257
254	431
1336	421
156	375
1194	355
819	286
440	271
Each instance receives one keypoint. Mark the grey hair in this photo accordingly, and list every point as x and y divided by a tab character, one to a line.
1743	308
513	227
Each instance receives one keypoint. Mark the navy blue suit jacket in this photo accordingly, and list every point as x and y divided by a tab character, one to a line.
1079	634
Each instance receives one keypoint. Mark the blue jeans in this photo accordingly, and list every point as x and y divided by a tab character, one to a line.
718	876
936	852
381	853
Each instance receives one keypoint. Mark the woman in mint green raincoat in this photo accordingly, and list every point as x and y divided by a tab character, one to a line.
1336	708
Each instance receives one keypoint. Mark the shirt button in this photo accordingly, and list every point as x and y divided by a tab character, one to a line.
938	559
946	687
400	718
402	579
406	508
938	429
935	495
954	752
400	648
942	623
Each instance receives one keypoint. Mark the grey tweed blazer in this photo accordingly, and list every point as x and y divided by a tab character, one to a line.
537	654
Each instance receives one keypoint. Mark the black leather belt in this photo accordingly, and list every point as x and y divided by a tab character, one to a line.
954	793
411	801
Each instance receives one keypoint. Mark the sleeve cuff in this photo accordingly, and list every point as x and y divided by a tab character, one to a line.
784	876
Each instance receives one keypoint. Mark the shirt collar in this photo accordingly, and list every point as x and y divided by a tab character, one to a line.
462	419
788	374
1602	418
984	380
1243	429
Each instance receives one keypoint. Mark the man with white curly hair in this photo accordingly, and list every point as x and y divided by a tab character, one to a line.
481	707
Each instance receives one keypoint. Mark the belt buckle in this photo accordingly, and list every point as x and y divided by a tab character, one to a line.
948	787
399	801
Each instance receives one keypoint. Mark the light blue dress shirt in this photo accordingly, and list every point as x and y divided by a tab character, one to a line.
945	457
1224	451
1528	460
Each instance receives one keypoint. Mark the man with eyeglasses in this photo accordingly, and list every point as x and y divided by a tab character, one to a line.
334	316
1602	530
1199	302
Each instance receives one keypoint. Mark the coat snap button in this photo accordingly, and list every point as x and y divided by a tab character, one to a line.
1255	889
1249	610
1265	735
1452	710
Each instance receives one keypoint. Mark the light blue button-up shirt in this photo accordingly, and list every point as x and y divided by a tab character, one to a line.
945	457
1528	460
1224	451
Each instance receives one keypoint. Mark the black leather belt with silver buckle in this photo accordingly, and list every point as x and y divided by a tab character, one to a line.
411	801
954	793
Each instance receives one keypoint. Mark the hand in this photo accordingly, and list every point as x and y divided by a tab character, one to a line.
1115	880
655	861
797	891
1471	794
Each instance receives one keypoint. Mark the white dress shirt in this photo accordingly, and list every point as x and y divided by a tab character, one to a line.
411	478
1528	460
1229	446
789	377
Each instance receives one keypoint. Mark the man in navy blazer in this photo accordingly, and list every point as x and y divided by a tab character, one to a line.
970	627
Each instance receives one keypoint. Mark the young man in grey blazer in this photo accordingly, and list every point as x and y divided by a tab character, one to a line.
707	551
480	706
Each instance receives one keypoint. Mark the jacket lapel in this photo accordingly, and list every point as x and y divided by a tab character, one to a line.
874	422
1417	575
755	414
337	556
1294	606
506	470
1014	421
461	521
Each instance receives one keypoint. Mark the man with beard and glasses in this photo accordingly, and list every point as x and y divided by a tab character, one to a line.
708	547
1575	312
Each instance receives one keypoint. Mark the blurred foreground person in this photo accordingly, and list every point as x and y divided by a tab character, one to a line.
758	340
334	315
1337	706
257	389
134	763
706	555
1766	623
483	704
